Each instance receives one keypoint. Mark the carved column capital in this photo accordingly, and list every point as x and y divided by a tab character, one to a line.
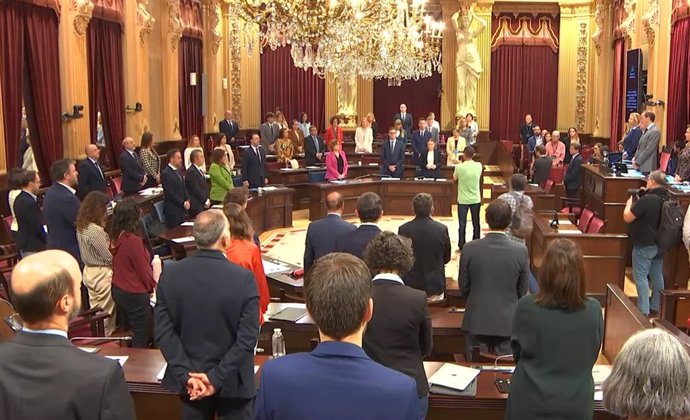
175	25
214	15
82	10
145	22
650	21
600	12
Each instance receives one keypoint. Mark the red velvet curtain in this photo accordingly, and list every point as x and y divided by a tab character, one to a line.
618	93
11	76
679	81
106	85
421	97
524	79
42	98
191	119
291	89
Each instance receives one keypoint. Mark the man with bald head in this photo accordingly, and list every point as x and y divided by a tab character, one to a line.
91	175
133	174
42	375
229	127
321	234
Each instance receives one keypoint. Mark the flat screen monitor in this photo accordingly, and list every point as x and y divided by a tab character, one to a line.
615	158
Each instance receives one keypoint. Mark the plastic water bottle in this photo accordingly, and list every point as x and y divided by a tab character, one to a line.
157	267
278	343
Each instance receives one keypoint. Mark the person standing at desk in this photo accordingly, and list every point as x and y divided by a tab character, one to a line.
364	137
197	187
254	164
91	176
406	120
430	162
555	149
399	335
220	176
336	162
60	208
314	147
193	144
150	160
419	139
632	139
369	211
339	379
322	234
541	167
229	127
556	336
31	236
392	155
573	174
646	157
269	133
133	175
454	147
334	132
176	202
296	137
468	175
526	129
683	170
42	374
207	328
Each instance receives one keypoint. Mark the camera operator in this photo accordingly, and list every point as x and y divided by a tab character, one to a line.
643	213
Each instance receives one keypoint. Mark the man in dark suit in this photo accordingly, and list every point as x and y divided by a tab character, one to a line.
369	211
399	335
61	206
392	155
207	328
42	375
91	175
254	164
31	237
573	175
314	147
406	119
133	174
176	201
342	382
542	166
269	133
419	139
322	234
493	277
196	184
646	157
526	129
431	245
229	127
536	140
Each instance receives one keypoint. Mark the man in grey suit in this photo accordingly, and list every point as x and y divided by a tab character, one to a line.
646	157
269	133
42	375
321	234
430	126
493	277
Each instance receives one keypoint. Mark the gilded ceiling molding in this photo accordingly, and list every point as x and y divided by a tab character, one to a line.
581	84
533	9
483	7
575	9
175	25
599	16
650	21
83	10
214	15
145	22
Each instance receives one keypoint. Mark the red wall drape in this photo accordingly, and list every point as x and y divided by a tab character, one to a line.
421	97
524	79
618	93
291	89
43	94
11	76
191	119
106	85
679	81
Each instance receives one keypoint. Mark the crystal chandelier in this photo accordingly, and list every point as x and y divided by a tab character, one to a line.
370	38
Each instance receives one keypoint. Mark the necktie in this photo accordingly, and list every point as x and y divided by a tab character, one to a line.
271	133
316	143
258	155
392	145
99	168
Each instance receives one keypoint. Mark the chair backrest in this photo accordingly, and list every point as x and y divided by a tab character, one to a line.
585	153
116	185
548	185
6	311
158	205
596	225
315	176
663	162
508	145
585	220
480	357
557	174
8	222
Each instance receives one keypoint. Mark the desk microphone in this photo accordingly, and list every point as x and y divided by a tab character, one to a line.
105	339
372	176
505	356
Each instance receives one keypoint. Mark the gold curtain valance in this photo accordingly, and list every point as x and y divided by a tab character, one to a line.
525	33
681	10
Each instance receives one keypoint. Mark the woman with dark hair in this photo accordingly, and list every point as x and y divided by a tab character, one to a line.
556	338
150	161
682	172
284	147
399	334
14	183
133	280
95	254
221	178
223	145
336	162
245	253
334	132
304	123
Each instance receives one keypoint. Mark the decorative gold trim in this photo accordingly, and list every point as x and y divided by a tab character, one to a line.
627	27
533	9
524	35
650	21
175	25
581	84
145	22
83	11
599	16
214	15
575	9
235	67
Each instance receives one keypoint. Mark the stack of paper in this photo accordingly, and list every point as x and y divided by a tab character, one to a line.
454	376
272	268
183	239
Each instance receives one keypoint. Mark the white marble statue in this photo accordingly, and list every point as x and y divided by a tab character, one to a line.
468	64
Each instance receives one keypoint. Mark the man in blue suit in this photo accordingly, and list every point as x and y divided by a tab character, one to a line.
176	201
369	211
60	208
321	234
133	175
342	382
419	139
91	175
392	155
229	127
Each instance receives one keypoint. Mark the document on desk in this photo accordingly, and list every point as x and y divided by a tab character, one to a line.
120	359
162	372
454	376
273	268
570	231
183	239
256	368
390	179
189	224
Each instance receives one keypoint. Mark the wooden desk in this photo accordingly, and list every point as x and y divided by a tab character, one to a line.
299	336
676	265
675	307
396	196
607	194
671	329
622	320
283	286
541	200
604	254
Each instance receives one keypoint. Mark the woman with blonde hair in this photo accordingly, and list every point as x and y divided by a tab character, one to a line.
373	124
280	120
633	133
364	137
455	145
193	144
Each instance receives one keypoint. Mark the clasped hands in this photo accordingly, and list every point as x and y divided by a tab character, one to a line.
199	386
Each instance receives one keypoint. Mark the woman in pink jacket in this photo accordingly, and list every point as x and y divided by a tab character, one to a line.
336	162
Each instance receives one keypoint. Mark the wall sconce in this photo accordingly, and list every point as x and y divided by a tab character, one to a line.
225	83
192	79
649	102
138	107
76	113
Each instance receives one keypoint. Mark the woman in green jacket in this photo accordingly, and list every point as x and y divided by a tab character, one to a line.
221	178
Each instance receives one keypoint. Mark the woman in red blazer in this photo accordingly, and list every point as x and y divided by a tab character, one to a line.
336	162
334	132
245	253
